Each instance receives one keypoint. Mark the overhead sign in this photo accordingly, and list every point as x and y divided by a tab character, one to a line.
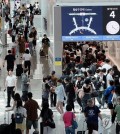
87	23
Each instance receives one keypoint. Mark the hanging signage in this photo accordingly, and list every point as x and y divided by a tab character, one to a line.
87	23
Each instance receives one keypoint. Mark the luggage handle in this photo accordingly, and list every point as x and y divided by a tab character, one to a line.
5	117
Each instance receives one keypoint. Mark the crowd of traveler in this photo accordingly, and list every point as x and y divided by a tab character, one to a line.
87	75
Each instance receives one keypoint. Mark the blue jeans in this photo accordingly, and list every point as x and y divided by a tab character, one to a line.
69	130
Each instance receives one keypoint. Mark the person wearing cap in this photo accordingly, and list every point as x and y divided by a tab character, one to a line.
92	113
45	44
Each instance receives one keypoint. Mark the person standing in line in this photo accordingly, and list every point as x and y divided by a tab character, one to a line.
32	116
10	85
10	58
45	44
61	96
27	60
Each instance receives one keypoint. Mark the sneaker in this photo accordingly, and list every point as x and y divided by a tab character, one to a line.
8	106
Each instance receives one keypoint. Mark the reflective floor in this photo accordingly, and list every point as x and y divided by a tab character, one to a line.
42	67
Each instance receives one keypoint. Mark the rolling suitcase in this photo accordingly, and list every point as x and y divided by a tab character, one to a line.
19	70
5	128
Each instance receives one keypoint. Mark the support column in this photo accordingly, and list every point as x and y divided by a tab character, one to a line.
4	38
58	45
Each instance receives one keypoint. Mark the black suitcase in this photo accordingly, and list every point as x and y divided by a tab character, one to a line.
5	129
19	70
42	54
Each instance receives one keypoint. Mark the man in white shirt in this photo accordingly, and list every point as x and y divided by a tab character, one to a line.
36	5
109	77
107	66
10	85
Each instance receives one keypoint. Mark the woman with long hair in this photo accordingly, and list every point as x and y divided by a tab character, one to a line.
46	114
20	110
61	96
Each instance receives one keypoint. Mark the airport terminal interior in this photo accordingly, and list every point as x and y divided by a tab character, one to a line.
69	40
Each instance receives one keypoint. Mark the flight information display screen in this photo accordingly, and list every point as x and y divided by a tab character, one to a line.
87	23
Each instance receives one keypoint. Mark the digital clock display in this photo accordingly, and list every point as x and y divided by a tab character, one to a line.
90	23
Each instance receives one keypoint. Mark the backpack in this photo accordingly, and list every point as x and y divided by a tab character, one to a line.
18	118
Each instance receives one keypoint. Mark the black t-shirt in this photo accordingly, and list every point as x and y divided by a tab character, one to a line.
10	59
45	40
46	114
92	113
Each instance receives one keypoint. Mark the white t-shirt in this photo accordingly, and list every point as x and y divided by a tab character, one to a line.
106	66
26	57
109	78
21	110
11	80
36	5
78	53
30	39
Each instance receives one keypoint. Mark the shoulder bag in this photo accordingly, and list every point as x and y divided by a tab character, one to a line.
74	123
49	121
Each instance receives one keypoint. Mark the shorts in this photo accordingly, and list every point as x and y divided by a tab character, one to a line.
110	106
10	67
29	123
21	126
92	126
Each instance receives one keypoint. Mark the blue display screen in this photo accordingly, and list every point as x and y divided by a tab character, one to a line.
87	23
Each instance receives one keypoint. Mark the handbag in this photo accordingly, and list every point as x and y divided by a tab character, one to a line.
74	123
49	122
